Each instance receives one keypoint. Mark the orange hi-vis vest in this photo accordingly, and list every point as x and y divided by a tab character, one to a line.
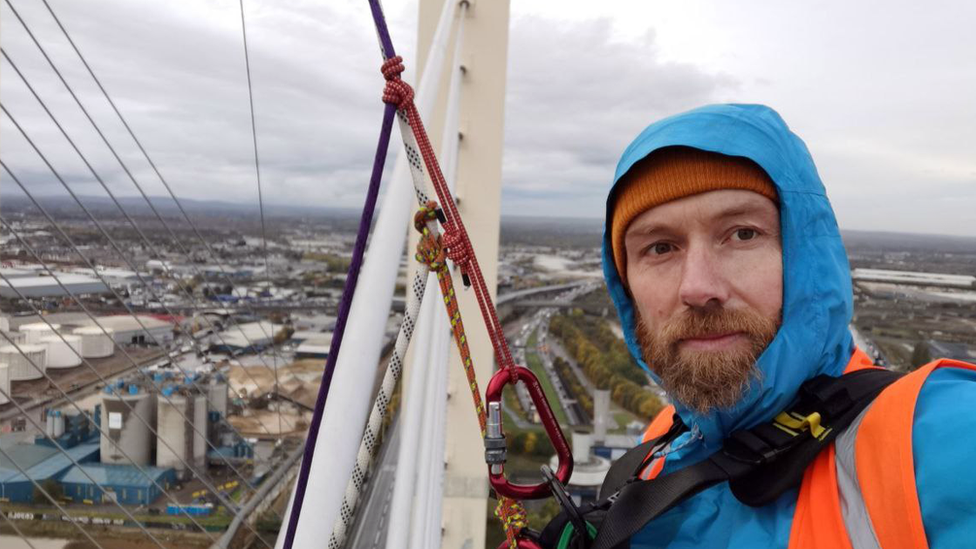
870	467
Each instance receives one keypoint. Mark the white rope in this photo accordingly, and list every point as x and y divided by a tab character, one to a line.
347	410
405	481
428	502
375	424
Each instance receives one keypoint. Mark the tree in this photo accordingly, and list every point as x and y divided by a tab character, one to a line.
921	355
52	487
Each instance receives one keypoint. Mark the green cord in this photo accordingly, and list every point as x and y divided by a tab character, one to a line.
567	535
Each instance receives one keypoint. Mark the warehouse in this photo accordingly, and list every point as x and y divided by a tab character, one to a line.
128	330
316	346
44	464
47	286
249	337
126	483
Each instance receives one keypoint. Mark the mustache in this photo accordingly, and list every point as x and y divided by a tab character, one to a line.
705	380
697	323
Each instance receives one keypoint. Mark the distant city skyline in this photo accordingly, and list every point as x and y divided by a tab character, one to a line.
881	93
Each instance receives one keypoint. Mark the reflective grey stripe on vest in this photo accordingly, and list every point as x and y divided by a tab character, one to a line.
852	507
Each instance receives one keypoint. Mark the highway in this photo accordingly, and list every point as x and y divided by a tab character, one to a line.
369	530
372	517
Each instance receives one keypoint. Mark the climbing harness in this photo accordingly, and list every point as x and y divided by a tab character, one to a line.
759	464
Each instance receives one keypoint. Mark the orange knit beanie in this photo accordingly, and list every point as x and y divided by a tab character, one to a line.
676	172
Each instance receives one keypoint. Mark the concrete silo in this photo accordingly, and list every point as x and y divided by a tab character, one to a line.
94	342
217	389
62	353
120	424
36	330
19	361
182	425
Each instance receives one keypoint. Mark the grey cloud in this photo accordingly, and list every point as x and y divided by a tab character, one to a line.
576	97
177	74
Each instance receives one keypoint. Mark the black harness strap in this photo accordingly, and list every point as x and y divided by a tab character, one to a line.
630	465
760	463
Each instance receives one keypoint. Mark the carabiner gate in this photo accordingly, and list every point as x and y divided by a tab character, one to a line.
494	439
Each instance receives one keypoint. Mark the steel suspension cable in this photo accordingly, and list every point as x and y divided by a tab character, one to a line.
101	432
47	495
57	445
103	379
180	283
189	377
145	197
122	254
17	529
135	139
131	222
135	365
257	173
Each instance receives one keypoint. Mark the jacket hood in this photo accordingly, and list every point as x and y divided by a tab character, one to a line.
817	298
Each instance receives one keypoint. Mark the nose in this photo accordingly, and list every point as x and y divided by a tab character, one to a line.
703	284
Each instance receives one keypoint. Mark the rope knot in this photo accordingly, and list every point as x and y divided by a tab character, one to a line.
458	250
513	517
430	248
397	92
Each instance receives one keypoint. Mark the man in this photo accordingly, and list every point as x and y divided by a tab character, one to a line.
724	260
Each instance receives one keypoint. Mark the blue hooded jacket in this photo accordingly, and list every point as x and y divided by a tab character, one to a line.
813	339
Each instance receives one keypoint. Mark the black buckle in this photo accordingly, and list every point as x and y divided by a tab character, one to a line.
566	502
822	394
747	447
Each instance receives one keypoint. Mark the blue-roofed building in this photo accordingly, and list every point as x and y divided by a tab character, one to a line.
41	463
124	483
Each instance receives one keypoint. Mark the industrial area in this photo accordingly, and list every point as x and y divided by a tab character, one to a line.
181	401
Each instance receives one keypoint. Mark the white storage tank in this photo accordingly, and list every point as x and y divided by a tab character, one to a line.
94	342
36	330
58	423
178	441
62	353
4	382
20	361
119	424
13	338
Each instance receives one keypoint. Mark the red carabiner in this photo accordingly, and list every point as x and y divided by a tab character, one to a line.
497	477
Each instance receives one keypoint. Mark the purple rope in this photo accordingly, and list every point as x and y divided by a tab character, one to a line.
350	286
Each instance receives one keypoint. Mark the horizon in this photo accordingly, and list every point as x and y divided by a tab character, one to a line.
163	202
890	143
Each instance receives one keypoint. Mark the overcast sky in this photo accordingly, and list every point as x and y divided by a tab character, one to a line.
883	93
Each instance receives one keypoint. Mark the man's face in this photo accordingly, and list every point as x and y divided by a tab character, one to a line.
706	276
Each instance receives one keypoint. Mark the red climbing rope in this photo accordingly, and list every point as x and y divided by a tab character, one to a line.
455	237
